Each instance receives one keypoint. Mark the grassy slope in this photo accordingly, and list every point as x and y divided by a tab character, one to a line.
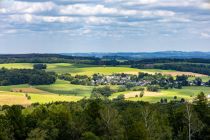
63	87
82	69
187	92
11	98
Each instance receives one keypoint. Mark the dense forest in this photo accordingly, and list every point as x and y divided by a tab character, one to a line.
26	76
57	58
107	120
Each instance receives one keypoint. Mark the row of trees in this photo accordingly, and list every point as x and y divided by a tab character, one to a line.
107	120
77	80
189	67
26	76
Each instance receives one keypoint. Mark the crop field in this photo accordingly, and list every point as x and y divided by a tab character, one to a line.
188	93
83	69
64	88
13	98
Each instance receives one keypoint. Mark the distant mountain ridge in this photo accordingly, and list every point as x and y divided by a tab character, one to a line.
144	55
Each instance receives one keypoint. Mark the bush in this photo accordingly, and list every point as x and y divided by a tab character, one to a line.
141	94
153	88
40	66
105	91
120	97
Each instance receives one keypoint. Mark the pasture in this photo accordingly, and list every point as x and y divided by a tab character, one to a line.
188	93
19	98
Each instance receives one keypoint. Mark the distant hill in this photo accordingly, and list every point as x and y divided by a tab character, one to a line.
143	55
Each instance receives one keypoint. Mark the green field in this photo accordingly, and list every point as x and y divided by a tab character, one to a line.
83	69
64	88
188	93
11	98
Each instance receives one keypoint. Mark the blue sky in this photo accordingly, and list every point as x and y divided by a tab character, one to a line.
61	26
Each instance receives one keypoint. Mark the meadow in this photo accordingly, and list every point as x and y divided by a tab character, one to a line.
83	69
64	91
188	93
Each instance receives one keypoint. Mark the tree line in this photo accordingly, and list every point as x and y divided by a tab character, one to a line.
186	67
107	120
26	76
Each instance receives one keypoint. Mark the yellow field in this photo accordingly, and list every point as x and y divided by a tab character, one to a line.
15	98
28	90
10	98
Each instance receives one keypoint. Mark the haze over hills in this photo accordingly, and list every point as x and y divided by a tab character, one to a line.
140	55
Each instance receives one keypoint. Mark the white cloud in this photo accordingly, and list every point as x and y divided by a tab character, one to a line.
86	10
98	20
26	7
205	35
205	6
83	9
133	2
141	2
26	18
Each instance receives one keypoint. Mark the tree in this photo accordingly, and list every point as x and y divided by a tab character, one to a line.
110	124
37	134
153	88
141	94
120	97
16	121
193	122
197	81
89	136
105	91
40	66
129	85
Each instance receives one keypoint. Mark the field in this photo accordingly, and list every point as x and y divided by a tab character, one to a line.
63	91
188	93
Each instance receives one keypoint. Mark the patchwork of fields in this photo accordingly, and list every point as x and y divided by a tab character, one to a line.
63	91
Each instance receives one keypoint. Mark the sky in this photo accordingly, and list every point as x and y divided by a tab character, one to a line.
66	26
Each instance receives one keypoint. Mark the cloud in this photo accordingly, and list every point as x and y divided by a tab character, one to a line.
26	7
205	35
120	17
133	2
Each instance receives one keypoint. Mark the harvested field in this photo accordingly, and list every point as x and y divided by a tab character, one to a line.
28	90
176	73
9	98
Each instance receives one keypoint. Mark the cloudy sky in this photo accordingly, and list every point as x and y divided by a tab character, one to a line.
50	26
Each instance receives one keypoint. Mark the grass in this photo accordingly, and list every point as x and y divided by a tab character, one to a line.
14	98
63	87
46	98
188	93
10	88
11	98
83	69
17	66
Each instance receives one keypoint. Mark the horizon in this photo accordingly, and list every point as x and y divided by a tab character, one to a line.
147	52
85	26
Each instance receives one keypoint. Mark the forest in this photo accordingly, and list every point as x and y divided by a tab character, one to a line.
26	76
102	119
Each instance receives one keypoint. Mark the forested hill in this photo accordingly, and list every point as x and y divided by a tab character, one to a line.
145	55
42	58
